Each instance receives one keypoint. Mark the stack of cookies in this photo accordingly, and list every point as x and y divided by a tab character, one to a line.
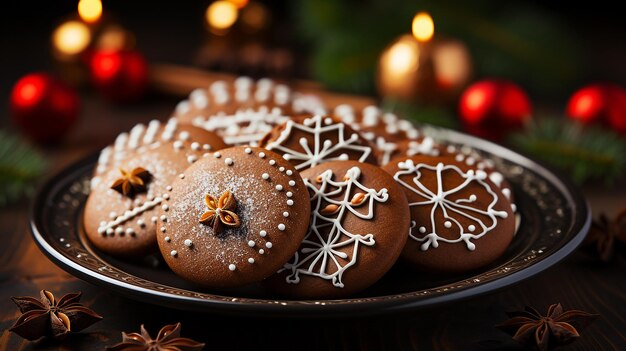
250	182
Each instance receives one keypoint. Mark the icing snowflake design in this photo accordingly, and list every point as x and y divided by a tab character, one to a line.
322	150
320	254
443	201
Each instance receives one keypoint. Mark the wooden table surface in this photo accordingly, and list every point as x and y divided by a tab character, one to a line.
580	282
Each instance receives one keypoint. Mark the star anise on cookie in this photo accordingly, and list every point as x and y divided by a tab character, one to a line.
606	237
558	328
48	316
220	212
168	339
131	183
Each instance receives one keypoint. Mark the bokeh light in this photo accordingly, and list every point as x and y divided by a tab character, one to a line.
90	10
423	27
71	37
221	15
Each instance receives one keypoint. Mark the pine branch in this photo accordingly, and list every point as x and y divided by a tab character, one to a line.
588	153
20	166
437	116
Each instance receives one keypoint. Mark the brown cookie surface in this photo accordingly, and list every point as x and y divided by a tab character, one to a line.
120	213
307	141
460	220
233	218
243	111
359	221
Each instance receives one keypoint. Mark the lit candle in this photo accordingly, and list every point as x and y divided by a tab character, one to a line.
418	67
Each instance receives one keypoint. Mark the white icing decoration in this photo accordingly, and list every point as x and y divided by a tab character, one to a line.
281	226
386	148
439	200
244	127
322	150
174	253
251	260
251	243
268	244
232	267
188	242
319	254
228	161
117	220
426	146
262	233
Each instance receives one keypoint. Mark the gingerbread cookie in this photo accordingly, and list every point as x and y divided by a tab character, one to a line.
234	218
307	141
423	145
142	136
471	158
371	122
460	220
121	211
359	221
243	111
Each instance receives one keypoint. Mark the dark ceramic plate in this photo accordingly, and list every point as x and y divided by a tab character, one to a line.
555	219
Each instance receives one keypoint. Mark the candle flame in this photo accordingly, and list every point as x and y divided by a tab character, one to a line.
71	37
423	27
90	11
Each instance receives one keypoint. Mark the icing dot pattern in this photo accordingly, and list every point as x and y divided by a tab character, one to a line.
235	261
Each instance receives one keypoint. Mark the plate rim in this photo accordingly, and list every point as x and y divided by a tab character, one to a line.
581	223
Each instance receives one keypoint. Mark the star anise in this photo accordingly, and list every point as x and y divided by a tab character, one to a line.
220	212
168	339
606	236
132	182
558	328
51	317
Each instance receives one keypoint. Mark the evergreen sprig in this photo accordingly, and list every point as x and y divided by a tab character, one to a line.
438	116
20	166
586	152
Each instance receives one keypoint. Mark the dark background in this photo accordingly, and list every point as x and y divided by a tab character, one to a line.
172	31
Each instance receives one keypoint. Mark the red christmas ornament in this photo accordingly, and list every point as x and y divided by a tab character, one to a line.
120	76
599	103
43	108
493	108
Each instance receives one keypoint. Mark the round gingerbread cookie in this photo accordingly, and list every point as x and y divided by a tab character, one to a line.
142	136
359	221
423	145
307	141
121	211
460	220
372	123
469	156
243	111
234	218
